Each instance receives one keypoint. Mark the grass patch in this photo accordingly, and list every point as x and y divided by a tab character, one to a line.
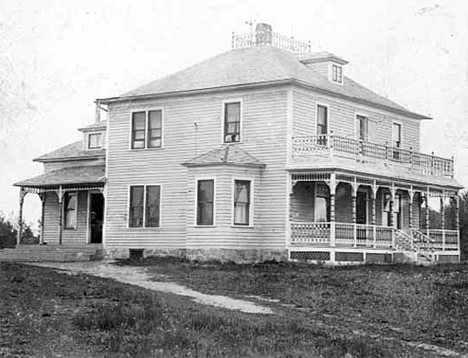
46	313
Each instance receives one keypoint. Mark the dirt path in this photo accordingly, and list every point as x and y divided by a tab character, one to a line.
139	277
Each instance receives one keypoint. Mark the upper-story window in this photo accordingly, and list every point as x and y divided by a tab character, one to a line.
337	74
147	129
322	124
362	128
232	122
396	135
95	141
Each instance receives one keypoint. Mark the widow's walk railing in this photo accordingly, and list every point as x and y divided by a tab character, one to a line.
426	164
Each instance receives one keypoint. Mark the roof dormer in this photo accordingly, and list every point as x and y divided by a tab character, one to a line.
94	136
326	64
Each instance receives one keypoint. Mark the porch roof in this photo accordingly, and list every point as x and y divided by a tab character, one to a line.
67	176
72	151
228	154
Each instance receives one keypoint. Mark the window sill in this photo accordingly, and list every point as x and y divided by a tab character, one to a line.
204	226
243	226
144	227
144	149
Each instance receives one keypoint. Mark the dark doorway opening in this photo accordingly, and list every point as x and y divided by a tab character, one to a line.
96	217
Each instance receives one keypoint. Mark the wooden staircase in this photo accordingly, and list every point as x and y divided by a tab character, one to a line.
414	246
55	253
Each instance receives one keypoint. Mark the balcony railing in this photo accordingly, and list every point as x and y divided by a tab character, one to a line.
426	164
331	234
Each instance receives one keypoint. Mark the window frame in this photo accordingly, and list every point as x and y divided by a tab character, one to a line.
321	104
400	124
64	210
251	202
223	118
356	128
322	196
335	70
202	178
143	226
100	134
146	129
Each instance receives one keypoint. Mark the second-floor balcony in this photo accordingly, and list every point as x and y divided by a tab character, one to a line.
368	152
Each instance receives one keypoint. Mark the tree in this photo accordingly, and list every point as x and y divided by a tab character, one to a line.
464	224
9	232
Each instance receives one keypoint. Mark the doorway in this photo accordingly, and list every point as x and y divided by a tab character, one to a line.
96	217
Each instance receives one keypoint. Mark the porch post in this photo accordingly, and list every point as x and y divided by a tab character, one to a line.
60	206
410	207
427	211
442	219
42	196
353	198
332	208
373	217
391	219
22	194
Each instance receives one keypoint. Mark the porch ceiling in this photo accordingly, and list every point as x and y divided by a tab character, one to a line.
67	176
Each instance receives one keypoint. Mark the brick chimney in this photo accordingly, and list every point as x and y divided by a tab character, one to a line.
263	34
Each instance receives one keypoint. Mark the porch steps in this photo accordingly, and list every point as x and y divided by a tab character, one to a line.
57	253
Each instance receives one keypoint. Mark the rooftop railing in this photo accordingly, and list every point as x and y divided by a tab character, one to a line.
261	38
426	164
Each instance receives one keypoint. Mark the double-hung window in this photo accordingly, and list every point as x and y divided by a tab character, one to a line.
396	141
242	202
94	140
362	128
322	124
144	206
232	122
337	74
147	129
205	202
69	211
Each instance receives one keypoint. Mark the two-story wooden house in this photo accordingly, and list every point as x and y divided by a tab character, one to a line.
268	151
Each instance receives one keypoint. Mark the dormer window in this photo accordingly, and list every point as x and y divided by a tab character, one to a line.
337	74
95	141
232	122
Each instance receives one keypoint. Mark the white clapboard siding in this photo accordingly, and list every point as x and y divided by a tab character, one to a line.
77	236
342	116
263	136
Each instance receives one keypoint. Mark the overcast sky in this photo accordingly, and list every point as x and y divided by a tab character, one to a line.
56	57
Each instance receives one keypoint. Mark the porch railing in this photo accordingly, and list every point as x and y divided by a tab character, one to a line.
445	240
341	234
376	236
426	164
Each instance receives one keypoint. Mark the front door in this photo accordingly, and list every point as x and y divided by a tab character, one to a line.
96	217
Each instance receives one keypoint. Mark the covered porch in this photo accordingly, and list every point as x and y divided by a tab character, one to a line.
337	210
72	206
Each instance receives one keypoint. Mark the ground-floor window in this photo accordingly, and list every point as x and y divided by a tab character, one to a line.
205	202
242	201
69	211
144	206
322	209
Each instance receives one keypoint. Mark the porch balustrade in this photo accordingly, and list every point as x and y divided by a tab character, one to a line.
376	236
425	164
